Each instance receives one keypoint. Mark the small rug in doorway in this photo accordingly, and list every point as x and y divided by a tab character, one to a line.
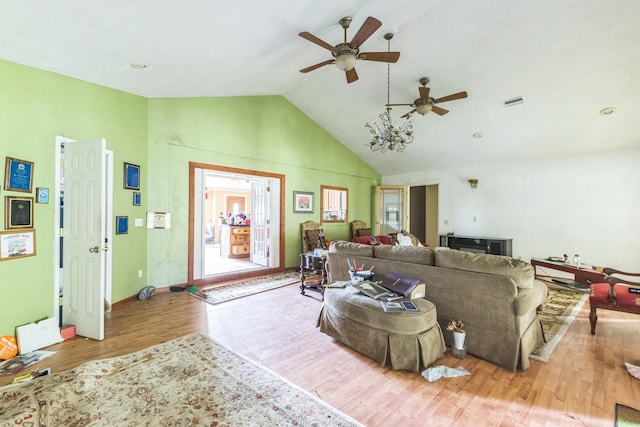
191	380
244	288
627	416
557	314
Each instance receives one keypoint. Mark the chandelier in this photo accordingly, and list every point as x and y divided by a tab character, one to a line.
387	135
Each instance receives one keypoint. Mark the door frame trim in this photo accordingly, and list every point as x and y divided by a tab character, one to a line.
238	274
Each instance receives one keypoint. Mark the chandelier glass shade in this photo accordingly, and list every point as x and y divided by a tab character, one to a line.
387	136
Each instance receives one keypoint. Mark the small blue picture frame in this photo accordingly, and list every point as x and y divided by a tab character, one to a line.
137	198
122	224
42	195
131	176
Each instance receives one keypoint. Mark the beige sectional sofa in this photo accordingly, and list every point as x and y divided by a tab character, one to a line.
496	297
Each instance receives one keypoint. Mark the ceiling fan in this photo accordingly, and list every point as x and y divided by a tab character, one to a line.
425	103
346	54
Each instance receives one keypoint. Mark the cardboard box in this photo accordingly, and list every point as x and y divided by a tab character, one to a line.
418	291
68	331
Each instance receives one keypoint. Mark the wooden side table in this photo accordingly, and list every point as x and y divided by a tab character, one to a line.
313	274
583	276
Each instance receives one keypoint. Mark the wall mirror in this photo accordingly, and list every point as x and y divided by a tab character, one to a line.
334	204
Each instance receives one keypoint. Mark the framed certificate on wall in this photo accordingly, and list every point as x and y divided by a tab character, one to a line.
18	175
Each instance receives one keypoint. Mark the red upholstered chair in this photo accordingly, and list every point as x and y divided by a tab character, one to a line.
616	294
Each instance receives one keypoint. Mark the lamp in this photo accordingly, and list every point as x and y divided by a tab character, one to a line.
423	107
388	136
473	183
345	57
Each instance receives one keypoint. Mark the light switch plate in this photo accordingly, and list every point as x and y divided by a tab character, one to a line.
139	222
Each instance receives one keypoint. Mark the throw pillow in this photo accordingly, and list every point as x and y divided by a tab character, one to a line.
364	232
404	240
312	237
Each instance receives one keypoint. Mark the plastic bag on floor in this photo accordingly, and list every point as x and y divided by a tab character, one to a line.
633	370
437	372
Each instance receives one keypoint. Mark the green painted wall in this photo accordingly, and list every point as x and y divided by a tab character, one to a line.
265	133
162	136
35	106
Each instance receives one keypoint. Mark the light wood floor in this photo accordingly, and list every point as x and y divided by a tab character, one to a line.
579	386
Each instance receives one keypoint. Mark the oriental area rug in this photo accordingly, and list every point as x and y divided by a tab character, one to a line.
557	314
244	288
191	380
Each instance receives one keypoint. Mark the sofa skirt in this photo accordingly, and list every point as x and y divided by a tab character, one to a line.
412	351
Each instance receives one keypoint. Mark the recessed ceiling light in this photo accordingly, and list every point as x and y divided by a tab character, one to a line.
140	65
477	135
607	111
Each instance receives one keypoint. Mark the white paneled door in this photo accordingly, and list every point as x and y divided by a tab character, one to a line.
85	239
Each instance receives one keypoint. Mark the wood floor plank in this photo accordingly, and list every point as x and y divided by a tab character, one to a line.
579	386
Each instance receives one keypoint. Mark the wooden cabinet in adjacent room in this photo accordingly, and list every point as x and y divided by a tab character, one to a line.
235	241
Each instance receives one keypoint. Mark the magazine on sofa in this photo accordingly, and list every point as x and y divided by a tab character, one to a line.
373	290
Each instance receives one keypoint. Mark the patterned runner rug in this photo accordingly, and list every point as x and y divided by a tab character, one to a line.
244	288
191	380
558	312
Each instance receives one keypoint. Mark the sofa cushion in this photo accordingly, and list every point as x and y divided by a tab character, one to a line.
521	272
351	248
410	254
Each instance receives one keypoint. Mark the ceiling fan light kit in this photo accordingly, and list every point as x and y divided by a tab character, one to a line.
347	53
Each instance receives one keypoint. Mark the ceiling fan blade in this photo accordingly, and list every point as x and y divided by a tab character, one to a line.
316	66
439	111
398	105
313	39
380	56
369	27
352	76
406	116
458	95
424	92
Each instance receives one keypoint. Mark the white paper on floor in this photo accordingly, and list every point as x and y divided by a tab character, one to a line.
437	372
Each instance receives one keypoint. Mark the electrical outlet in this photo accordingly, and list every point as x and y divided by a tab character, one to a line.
139	274
446	222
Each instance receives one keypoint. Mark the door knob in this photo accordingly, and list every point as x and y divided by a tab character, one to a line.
94	249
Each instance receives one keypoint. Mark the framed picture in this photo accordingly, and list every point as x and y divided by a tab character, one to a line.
159	220
17	244
302	202
18	175
42	195
18	212
137	198
131	176
122	224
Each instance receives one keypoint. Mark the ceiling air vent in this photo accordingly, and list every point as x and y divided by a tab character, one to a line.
513	101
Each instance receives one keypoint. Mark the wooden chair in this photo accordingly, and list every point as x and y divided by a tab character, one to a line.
358	225
616	294
312	236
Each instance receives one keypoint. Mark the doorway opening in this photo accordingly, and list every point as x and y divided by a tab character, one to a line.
235	219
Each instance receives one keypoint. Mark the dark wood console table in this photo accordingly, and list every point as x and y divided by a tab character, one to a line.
313	274
582	276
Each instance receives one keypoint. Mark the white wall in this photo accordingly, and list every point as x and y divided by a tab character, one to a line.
588	204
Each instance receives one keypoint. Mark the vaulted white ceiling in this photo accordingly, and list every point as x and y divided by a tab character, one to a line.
568	59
